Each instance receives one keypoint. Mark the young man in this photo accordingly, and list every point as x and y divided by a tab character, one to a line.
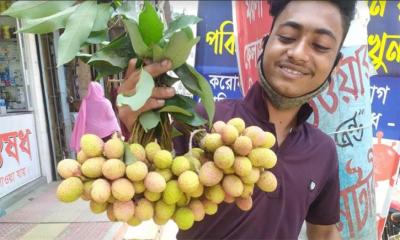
299	55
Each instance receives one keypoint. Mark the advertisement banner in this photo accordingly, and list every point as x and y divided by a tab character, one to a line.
384	36
346	104
252	23
215	53
19	160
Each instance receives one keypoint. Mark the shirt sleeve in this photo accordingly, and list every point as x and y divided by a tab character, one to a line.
325	209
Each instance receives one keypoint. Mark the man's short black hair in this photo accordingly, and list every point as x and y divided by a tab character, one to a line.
346	8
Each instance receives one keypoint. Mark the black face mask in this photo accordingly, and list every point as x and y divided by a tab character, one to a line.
282	102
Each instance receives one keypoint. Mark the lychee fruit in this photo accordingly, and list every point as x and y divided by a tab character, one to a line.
151	149
270	140
179	165
138	151
217	127
224	157
210	208
123	211
136	171
87	188
172	192
232	185
256	134
152	196
252	177
238	123
215	193
114	148
184	218
69	168
229	134
69	189
198	192
244	204
163	210
92	168
134	221
122	189
81	157
113	169
154	182
162	159
97	208
267	181
242	166
242	146
139	187
91	145
110	213
262	157
198	210
210	174
212	141
101	190
188	181
166	173
144	209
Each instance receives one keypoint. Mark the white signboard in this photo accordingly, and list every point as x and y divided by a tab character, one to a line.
19	160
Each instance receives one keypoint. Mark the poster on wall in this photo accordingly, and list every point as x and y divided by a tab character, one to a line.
252	15
383	43
215	53
19	159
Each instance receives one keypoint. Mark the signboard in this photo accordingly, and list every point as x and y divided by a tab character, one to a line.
346	104
252	24
215	53
19	160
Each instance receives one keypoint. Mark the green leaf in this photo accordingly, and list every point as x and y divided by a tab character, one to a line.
158	53
127	9
196	120
188	80
129	158
97	37
138	44
85	57
175	133
149	120
47	24
78	28
179	47
188	31
168	80
206	94
144	88
150	25
104	11
36	9
175	109
189	105
180	22
116	54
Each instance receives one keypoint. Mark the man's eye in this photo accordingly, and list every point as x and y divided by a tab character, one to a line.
285	39
320	47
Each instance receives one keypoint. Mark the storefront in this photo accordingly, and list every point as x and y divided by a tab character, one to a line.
24	145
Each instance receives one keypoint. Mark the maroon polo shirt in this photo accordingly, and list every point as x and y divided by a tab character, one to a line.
307	173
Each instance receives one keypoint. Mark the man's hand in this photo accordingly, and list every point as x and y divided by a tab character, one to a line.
326	232
128	87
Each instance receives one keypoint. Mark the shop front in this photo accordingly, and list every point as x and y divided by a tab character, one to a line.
24	146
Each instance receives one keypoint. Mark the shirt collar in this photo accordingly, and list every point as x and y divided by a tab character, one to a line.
255	102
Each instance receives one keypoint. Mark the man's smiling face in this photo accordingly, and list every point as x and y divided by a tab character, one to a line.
302	47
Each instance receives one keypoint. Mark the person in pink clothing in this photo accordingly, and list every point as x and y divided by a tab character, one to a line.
95	116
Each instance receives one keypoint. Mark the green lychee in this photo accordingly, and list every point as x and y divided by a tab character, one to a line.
210	208
188	181
97	208
166	173
151	149
215	193
238	123
139	187
163	210
152	196
247	190
242	166
114	148
270	140
87	188
134	221
136	171
138	151
229	134
179	165
267	181
91	145
184	218
69	189
110	213
252	177
242	146
172	192
92	168
81	157
212	141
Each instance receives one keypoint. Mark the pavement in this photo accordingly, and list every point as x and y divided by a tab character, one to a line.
38	215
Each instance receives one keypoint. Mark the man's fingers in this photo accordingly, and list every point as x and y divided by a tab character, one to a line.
158	68
163	92
131	67
152	103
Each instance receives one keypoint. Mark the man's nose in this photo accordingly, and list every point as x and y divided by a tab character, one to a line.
299	51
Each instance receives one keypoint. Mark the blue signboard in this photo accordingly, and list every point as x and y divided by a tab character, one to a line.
385	100
215	53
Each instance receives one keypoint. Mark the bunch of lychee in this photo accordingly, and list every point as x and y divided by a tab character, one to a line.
229	163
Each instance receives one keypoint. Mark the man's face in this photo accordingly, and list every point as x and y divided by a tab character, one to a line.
302	47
